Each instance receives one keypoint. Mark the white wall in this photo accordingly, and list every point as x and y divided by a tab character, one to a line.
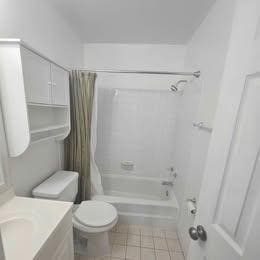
136	126
206	51
142	112
44	29
134	57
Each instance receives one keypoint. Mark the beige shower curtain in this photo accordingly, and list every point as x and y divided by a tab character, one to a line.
77	145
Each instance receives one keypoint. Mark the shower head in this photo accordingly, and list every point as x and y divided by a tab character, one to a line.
174	88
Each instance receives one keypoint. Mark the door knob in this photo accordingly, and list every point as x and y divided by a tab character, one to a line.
193	233
198	233
202	233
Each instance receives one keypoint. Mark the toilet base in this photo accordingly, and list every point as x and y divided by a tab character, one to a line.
92	244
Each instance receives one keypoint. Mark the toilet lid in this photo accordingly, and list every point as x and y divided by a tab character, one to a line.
95	213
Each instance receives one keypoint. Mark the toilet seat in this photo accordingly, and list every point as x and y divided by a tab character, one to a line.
95	216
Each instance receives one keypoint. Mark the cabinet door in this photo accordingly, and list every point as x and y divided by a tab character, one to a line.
65	250
37	77
60	85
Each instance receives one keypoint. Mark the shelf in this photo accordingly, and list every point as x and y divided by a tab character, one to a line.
46	138
49	128
50	132
46	105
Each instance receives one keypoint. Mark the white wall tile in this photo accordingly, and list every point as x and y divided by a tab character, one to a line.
139	127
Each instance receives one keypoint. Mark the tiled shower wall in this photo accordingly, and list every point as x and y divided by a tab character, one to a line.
138	127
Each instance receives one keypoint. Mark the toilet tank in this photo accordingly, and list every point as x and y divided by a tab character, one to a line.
62	185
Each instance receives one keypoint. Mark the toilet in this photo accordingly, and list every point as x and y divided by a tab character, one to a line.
91	219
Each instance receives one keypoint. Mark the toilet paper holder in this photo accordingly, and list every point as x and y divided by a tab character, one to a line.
192	205
193	200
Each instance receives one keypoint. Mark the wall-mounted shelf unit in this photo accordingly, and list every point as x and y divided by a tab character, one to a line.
34	95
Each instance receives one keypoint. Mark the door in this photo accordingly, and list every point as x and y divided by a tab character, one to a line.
229	203
60	85
37	77
233	227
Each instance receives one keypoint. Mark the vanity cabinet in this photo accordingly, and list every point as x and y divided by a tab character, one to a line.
65	250
35	96
60	245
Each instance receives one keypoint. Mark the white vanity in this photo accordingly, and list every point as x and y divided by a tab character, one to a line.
34	97
36	229
31	228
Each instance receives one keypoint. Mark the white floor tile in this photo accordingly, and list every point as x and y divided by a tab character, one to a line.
118	251
146	231
82	257
134	229
133	240
147	254
171	235
160	243
176	256
173	245
112	237
76	257
102	258
162	255
157	232
133	253
147	242
122	228
120	238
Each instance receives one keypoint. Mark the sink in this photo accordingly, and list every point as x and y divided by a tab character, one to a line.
26	224
18	231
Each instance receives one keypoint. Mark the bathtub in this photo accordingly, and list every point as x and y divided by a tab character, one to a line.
140	200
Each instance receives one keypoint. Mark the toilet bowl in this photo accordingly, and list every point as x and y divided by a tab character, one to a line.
91	219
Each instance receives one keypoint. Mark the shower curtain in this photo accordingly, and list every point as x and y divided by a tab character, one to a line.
80	146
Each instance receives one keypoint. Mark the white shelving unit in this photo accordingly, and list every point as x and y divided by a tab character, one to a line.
40	108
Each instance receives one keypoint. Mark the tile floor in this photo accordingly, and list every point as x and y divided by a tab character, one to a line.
135	242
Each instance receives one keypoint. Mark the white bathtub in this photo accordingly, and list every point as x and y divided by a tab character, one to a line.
140	200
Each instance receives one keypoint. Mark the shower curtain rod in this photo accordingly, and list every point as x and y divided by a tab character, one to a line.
195	74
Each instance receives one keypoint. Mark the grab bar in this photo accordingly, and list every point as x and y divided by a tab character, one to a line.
201	126
167	183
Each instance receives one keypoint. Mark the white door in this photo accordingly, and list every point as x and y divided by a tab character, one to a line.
37	77
60	85
232	226
229	203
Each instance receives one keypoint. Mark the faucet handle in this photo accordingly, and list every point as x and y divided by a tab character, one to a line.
171	169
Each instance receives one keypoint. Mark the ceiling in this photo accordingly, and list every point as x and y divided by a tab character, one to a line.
134	21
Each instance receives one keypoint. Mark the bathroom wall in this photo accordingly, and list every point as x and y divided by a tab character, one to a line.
39	25
206	51
137	113
136	126
135	57
42	27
